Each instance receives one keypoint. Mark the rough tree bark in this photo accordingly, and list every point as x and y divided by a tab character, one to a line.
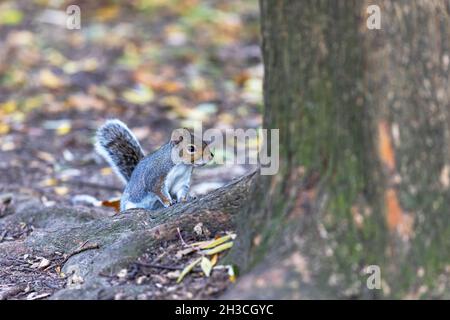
364	153
118	240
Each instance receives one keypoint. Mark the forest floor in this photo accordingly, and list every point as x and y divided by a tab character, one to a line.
156	65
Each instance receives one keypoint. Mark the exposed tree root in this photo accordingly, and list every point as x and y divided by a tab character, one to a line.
117	240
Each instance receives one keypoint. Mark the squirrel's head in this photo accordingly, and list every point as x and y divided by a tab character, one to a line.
190	149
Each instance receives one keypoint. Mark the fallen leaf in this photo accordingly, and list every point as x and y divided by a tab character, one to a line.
138	95
8	146
173	274
32	103
48	79
107	13
173	102
61	191
50	182
141	280
84	102
20	38
87	65
10	16
157	83
188	269
241	78
106	171
218	249
214	259
64	128
115	203
8	106
35	295
216	242
45	156
4	128
206	266
44	263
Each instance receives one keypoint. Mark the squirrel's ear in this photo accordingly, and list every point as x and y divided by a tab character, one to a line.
178	135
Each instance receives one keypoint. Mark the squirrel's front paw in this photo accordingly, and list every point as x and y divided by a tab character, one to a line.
168	202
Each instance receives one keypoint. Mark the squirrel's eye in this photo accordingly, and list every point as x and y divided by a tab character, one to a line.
191	148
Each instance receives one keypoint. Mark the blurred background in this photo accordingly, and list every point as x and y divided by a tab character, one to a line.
154	64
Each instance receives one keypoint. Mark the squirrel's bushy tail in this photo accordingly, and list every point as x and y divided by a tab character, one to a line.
118	145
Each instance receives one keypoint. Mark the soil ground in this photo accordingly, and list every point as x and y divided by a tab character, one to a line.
154	65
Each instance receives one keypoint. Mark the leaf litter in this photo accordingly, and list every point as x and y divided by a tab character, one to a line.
57	87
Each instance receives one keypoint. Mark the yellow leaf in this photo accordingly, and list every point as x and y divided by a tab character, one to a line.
55	58
107	13
64	128
50	182
8	107
106	171
218	249
172	101
140	95
216	242
206	266
4	128
188	269
49	79
10	16
61	191
32	103
89	64
214	259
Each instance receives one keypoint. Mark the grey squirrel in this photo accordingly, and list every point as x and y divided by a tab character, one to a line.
159	179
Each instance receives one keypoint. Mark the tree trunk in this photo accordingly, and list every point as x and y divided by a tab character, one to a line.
364	153
362	114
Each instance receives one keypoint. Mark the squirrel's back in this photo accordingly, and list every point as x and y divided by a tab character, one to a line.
118	145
